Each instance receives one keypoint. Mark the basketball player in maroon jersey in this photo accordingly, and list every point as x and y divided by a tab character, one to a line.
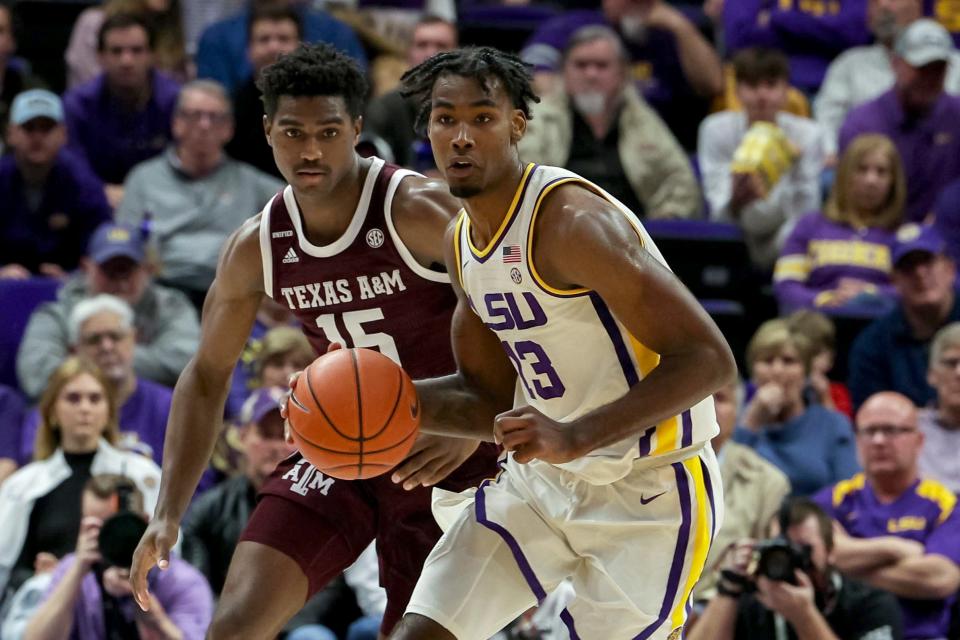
352	246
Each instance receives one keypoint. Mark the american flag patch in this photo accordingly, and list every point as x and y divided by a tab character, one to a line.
511	254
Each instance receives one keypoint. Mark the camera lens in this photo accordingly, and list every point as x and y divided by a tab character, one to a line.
777	565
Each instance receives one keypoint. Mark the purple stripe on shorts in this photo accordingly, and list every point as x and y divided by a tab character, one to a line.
713	507
623	354
645	439
521	560
679	553
686	439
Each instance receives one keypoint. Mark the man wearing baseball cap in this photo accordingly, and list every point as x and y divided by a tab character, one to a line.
921	119
51	199
166	323
891	353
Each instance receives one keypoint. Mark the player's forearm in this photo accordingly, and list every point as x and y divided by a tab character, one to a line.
676	384
195	418
451	407
931	577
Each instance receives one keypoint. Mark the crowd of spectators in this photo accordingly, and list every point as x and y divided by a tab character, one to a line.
823	135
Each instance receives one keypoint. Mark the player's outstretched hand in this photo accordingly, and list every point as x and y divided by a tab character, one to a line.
530	434
154	549
292	382
431	459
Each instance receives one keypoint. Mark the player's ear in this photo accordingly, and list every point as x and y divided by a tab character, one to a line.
267	125
518	126
357	128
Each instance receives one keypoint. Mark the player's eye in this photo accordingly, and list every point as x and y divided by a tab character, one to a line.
330	133
292	133
484	118
444	119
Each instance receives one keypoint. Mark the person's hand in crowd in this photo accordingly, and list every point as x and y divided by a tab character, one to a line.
88	553
792	601
14	271
116	582
44	562
53	271
765	406
747	188
114	193
713	9
739	556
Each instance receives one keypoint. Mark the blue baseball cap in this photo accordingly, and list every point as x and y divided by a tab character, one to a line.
115	240
36	103
260	404
918	237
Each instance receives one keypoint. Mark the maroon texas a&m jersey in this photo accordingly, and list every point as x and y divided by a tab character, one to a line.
365	289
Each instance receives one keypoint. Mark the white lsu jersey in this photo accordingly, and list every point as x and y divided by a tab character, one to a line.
570	352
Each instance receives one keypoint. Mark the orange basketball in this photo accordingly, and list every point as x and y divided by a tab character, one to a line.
354	413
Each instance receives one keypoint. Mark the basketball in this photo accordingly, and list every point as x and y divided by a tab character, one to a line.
354	413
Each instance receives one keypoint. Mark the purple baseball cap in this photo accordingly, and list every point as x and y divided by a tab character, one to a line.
917	237
260	404
115	240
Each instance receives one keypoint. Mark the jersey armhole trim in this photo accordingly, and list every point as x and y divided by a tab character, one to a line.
458	230
266	251
537	278
405	254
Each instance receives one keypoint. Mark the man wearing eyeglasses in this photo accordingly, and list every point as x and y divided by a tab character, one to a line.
895	529
940	423
191	198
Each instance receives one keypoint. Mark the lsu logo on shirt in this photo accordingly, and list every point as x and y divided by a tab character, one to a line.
906	523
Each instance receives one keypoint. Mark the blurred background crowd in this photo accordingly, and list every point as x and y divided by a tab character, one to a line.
797	162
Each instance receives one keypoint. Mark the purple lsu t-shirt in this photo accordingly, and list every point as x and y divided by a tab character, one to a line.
143	422
925	512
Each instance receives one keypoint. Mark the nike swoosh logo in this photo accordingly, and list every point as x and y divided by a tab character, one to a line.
651	498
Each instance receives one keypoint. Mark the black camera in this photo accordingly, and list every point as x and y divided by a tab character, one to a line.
779	558
121	532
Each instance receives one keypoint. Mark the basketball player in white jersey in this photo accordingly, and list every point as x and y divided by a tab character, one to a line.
609	480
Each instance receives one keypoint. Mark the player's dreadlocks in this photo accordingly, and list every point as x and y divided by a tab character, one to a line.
314	70
480	63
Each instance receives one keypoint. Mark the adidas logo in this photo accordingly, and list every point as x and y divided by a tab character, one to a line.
291	256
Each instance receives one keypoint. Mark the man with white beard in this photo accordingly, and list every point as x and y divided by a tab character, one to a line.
600	128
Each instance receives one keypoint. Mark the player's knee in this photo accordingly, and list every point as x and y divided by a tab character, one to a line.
414	626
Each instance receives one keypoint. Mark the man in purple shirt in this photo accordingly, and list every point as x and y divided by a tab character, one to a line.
921	119
676	69
897	531
101	328
87	599
810	32
121	117
51	201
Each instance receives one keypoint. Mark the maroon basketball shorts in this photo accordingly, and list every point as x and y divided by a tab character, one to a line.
324	524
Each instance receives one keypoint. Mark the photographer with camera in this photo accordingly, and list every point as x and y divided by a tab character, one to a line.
787	588
89	595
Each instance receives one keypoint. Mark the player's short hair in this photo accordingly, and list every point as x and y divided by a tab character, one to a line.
760	64
479	63
273	13
947	338
772	337
124	21
314	70
89	307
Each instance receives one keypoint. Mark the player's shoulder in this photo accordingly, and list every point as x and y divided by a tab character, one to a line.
575	212
419	197
241	257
